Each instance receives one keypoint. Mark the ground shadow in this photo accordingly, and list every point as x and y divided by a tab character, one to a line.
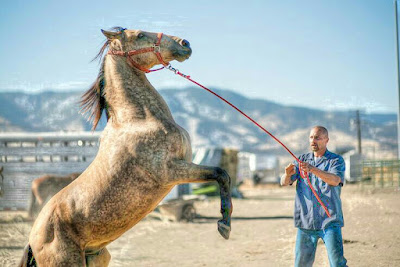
273	198
16	219
205	219
12	247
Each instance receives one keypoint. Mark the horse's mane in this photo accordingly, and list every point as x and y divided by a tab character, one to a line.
93	100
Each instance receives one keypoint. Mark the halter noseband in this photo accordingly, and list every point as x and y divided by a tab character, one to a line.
155	48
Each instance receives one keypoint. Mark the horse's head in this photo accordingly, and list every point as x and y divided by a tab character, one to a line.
147	49
141	50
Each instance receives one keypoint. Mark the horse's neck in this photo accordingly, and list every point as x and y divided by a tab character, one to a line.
130	95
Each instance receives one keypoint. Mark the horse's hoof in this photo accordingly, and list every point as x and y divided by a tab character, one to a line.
224	229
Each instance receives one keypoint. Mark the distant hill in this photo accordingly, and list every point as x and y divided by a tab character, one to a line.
211	122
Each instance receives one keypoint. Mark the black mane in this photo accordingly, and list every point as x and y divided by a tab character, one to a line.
93	100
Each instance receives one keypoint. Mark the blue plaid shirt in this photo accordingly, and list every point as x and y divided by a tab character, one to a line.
308	213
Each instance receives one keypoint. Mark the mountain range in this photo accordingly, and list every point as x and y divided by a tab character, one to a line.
211	122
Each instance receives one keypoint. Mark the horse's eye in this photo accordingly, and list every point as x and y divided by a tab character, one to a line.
140	35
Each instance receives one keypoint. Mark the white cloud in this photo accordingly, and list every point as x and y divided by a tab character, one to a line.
70	85
357	103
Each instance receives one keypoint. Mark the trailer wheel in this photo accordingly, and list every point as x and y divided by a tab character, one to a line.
188	213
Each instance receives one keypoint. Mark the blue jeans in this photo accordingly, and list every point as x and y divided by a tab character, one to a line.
306	245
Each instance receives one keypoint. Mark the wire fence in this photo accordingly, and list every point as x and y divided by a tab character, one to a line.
380	173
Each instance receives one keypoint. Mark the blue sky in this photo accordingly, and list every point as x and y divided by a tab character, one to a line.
317	53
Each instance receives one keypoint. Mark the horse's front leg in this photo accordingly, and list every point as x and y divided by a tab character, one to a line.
182	172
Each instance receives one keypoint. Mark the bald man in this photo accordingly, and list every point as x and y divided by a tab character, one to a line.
326	173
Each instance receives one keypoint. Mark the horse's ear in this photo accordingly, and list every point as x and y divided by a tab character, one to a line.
111	35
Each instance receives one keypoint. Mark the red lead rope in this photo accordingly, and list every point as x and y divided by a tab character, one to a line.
156	49
304	175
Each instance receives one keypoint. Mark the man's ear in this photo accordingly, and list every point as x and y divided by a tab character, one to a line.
111	35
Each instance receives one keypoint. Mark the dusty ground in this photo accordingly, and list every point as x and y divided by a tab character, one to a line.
262	234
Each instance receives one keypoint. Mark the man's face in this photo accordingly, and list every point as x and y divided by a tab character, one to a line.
318	140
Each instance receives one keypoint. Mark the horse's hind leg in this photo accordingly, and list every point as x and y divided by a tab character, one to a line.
98	260
55	255
182	172
54	248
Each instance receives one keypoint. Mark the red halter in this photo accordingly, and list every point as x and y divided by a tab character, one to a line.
155	48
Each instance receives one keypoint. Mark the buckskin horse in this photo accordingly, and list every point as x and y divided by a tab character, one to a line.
46	186
143	154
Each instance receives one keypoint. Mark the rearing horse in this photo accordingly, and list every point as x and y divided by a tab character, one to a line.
143	154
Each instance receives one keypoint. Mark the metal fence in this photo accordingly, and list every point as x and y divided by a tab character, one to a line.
381	173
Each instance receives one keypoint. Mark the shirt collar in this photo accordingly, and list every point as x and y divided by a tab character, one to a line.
325	156
310	156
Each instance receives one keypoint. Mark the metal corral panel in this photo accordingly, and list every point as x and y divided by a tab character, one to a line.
26	156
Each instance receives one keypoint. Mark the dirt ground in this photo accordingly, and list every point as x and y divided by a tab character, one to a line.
262	233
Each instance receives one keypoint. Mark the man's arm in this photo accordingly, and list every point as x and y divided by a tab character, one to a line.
286	177
327	177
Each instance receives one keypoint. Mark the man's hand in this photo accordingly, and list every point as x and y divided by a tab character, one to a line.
329	178
289	171
306	167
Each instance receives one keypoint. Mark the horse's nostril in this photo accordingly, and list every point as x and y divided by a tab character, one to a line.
185	43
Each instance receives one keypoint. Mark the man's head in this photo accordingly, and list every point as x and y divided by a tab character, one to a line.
318	139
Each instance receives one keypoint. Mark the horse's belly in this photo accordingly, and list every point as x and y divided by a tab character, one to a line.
136	175
180	144
117	216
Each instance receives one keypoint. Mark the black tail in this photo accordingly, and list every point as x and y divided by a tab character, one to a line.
27	258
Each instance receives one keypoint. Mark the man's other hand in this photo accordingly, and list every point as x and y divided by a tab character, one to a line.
290	170
306	167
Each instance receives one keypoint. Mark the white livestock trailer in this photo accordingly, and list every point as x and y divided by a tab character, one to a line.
26	156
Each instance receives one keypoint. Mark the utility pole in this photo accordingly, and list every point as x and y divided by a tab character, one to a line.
398	76
358	123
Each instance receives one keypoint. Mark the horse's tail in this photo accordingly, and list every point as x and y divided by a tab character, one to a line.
27	258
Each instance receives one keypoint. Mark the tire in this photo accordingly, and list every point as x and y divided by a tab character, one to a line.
188	213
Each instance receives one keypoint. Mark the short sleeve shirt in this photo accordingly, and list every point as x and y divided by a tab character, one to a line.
308	213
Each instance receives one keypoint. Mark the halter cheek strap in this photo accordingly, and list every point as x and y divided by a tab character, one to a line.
156	48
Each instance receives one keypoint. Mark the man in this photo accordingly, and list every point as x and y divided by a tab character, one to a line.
326	173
